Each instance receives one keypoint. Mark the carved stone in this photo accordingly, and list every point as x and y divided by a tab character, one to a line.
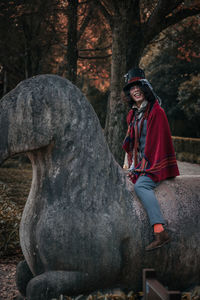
83	228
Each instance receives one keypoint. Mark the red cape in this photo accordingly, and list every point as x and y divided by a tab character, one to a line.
159	161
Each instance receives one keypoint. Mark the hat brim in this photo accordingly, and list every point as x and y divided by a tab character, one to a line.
129	85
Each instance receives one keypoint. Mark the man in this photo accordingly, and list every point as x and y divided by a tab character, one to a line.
149	148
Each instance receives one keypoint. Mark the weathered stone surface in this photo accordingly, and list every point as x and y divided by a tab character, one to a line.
83	227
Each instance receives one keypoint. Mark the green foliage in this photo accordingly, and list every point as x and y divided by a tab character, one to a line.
173	72
189	97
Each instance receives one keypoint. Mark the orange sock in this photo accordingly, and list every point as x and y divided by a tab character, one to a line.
157	228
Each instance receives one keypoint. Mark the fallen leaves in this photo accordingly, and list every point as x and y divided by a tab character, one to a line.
8	289
14	189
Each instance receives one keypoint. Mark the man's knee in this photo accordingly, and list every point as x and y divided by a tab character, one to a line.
142	185
138	187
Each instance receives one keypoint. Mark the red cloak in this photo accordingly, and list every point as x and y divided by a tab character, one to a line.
159	161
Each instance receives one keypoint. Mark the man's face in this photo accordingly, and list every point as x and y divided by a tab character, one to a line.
137	95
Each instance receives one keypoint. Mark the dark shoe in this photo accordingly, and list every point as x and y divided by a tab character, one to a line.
161	239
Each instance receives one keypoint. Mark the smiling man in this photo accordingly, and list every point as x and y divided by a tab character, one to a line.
137	95
149	148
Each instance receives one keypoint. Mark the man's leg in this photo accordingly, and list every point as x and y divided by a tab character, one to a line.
144	189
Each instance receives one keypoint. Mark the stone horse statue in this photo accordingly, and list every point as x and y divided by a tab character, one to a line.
82	227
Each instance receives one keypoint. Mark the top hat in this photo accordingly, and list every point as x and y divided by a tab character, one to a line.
133	76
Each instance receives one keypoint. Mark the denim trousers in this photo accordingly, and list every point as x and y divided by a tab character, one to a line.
144	189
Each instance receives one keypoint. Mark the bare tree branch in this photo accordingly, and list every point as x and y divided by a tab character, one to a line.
105	12
162	9
85	24
94	57
112	5
159	20
97	49
84	2
62	45
179	16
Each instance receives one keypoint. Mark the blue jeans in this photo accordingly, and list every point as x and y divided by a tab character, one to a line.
144	189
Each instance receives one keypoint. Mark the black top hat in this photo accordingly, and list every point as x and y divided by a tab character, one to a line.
133	76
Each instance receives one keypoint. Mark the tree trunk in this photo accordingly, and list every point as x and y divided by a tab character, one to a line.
72	53
115	121
28	60
5	82
127	49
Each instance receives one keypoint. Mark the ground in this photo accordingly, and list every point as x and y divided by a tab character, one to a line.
186	168
8	289
15	180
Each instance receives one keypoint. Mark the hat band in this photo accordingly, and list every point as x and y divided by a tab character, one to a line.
135	79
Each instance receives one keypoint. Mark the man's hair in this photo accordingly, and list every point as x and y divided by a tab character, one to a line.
148	94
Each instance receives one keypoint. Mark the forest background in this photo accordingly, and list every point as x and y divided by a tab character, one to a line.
94	43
